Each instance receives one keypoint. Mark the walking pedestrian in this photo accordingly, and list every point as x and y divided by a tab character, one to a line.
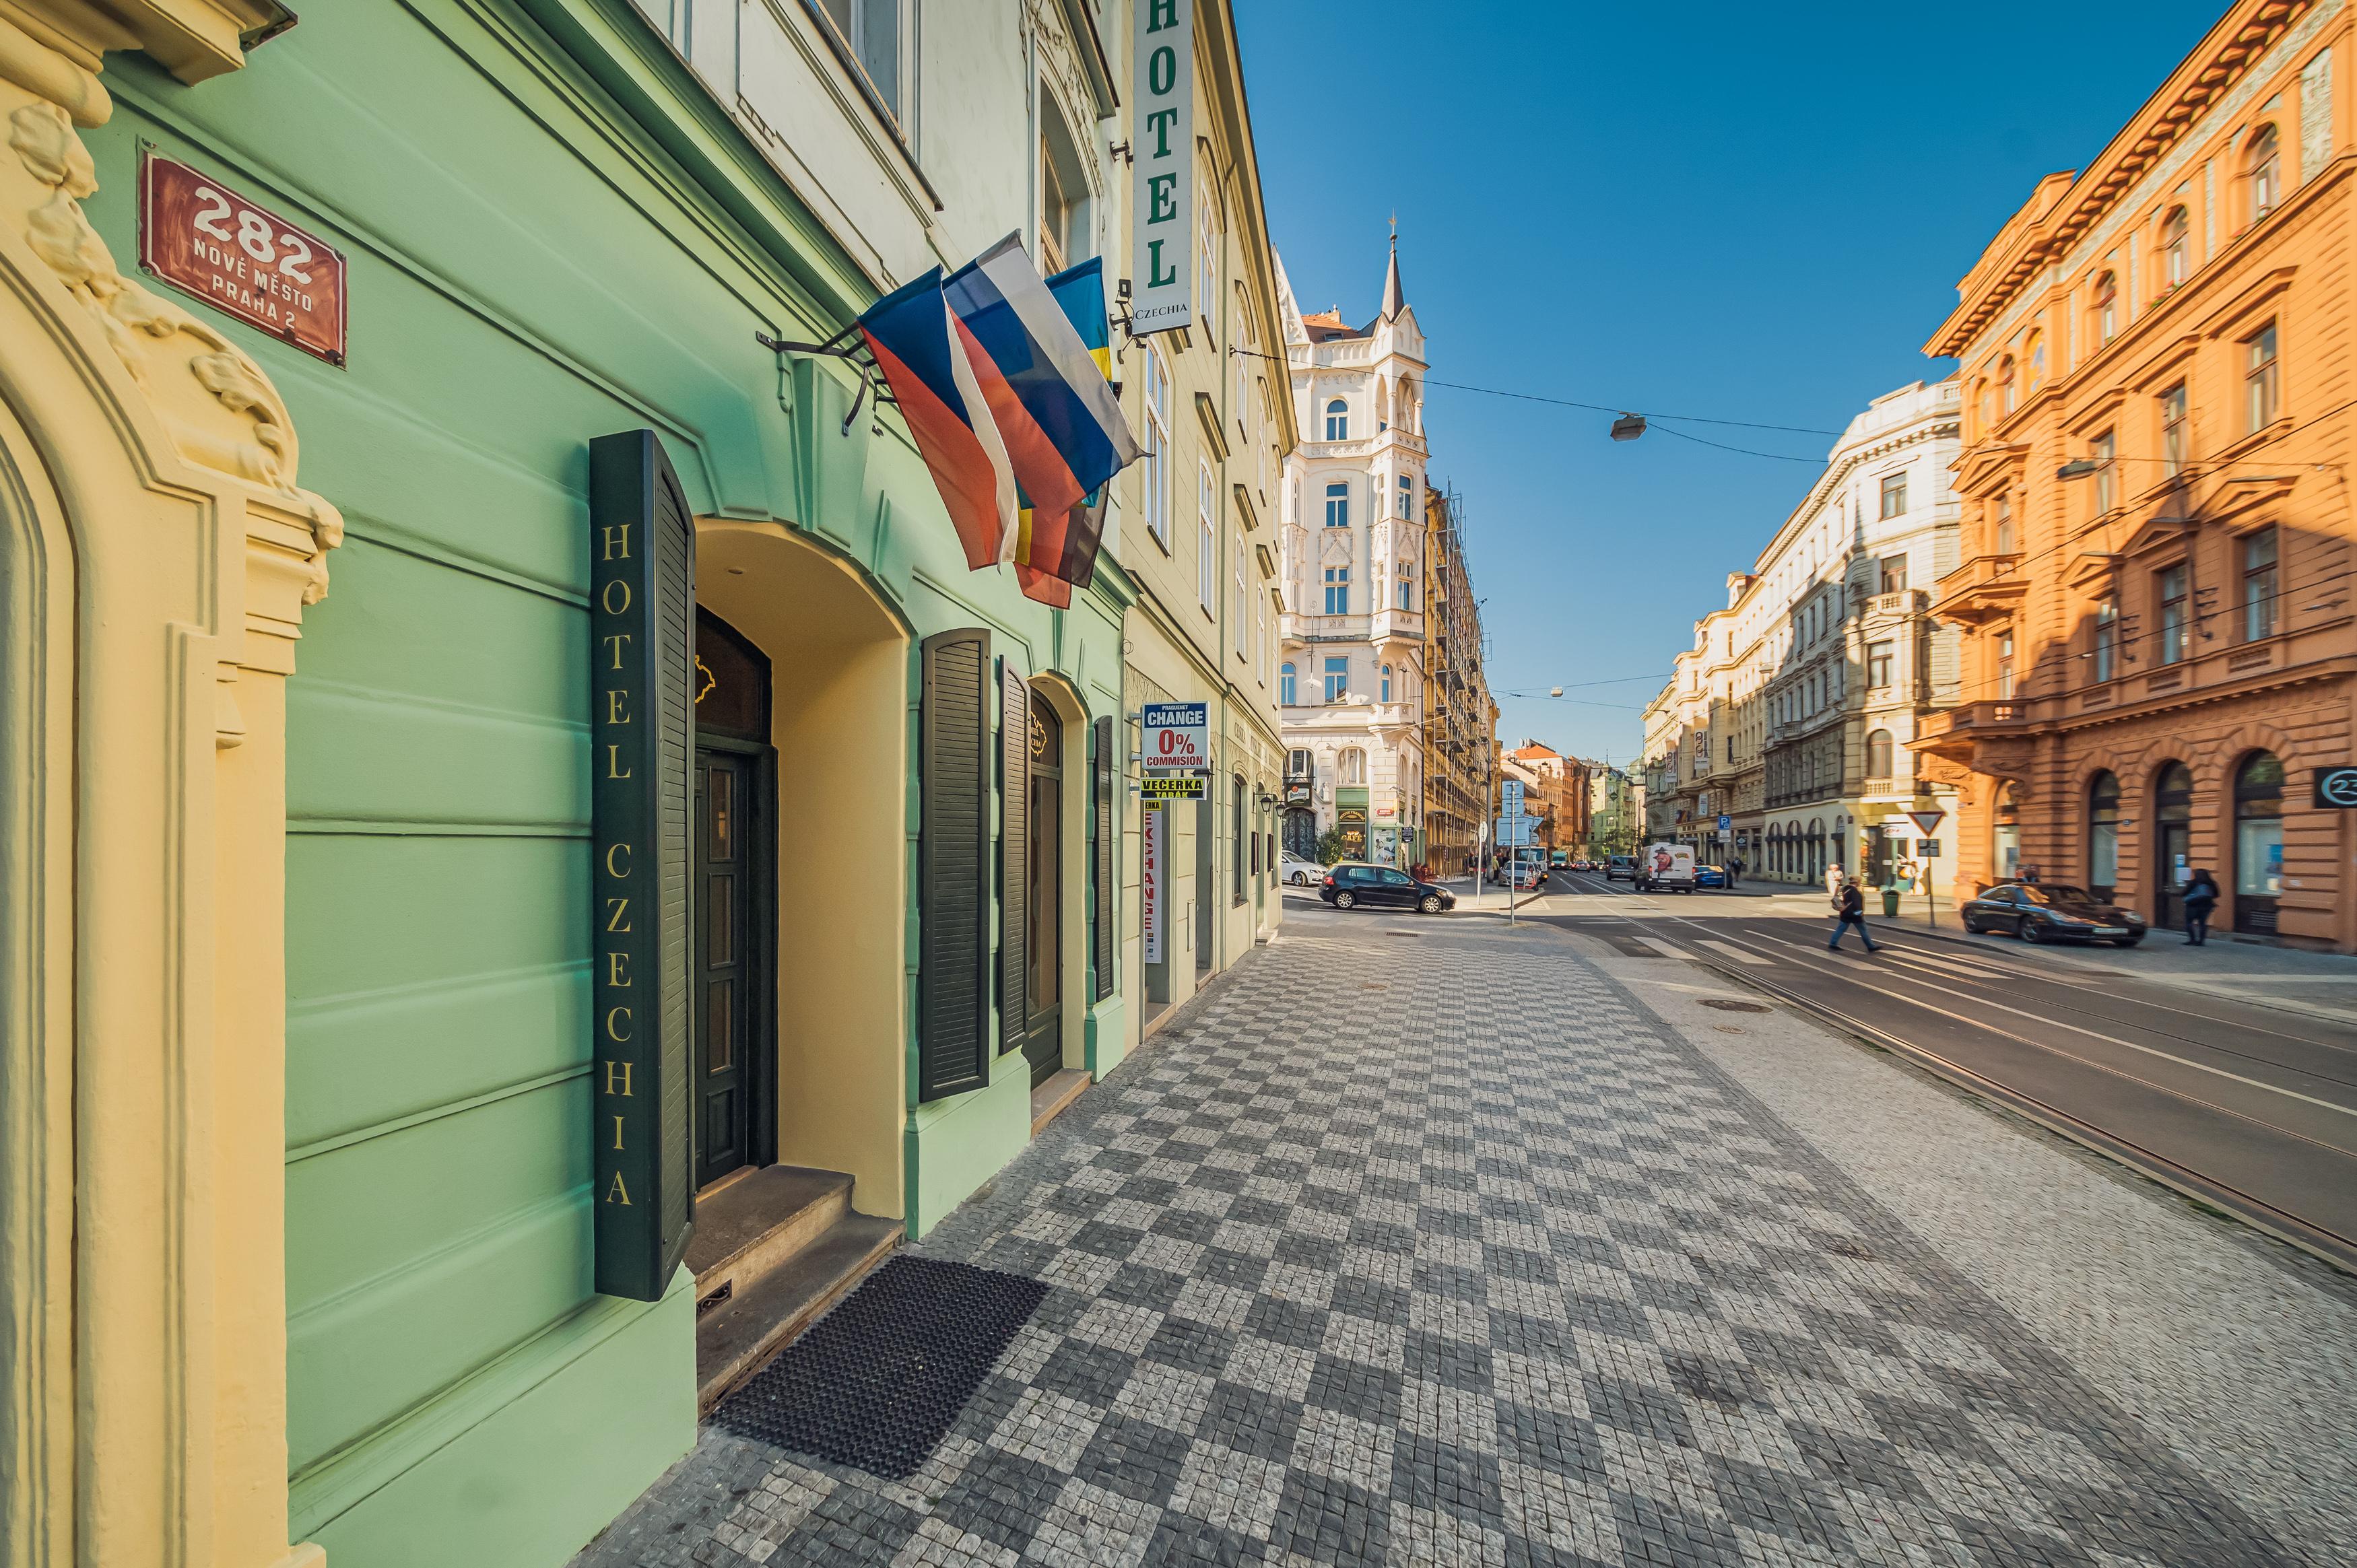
1735	871
2201	897
1850	904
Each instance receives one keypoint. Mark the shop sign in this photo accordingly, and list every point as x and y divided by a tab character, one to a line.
1298	795
1161	165
1178	735
1348	816
2336	789
1152	848
1171	787
239	257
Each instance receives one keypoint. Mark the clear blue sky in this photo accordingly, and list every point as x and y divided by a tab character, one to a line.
1746	212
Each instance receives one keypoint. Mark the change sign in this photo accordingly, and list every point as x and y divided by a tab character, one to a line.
1177	737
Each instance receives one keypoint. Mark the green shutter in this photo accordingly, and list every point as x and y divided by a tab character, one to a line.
953	870
642	755
1108	858
1014	855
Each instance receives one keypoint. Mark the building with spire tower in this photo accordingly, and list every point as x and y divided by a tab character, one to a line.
1351	676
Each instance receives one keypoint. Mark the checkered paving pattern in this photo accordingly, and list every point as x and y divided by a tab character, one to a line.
1447	1251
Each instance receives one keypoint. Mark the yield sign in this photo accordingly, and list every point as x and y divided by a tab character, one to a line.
1927	822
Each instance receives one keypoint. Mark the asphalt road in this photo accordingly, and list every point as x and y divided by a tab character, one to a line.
2250	1109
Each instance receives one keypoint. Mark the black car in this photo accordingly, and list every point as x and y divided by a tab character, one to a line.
2053	912
1353	883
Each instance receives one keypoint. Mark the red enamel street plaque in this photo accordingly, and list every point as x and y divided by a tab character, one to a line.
198	235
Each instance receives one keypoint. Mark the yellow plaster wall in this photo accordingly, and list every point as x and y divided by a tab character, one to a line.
839	667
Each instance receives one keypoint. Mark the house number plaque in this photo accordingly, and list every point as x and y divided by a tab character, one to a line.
241	258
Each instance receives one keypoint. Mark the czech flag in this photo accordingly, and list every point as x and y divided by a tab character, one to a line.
1055	554
1045	388
937	376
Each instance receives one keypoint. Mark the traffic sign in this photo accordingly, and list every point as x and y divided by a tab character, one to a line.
1178	735
1725	822
1511	797
1927	822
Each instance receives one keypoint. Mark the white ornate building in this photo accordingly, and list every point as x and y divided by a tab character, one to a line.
1352	640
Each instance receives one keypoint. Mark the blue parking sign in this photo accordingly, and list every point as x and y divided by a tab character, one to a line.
1725	822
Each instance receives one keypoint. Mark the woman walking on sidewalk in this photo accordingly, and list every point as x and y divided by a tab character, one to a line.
2201	897
1850	904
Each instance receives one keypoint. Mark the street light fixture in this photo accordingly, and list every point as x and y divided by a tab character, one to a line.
1628	427
2078	468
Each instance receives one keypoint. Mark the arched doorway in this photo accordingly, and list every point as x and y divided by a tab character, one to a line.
2258	842
2005	836
2103	835
2172	844
1301	833
1043	1028
735	1008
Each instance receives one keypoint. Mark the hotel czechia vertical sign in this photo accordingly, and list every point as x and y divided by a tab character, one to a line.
1162	163
641	798
239	257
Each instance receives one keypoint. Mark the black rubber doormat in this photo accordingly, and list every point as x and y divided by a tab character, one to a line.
876	1383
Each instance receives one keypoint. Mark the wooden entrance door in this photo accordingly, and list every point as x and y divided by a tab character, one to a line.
1043	1036
735	871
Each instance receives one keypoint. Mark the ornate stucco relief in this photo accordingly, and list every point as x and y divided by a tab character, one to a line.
2315	116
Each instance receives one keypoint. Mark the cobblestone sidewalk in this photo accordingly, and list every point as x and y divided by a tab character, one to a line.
1446	1250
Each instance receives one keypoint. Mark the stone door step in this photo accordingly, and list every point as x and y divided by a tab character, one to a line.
737	1337
1049	1101
757	1222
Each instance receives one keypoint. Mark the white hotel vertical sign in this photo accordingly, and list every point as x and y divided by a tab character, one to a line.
1162	165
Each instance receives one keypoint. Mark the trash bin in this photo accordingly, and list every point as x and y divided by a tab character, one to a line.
1891	903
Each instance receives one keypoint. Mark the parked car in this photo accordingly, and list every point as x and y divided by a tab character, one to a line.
1299	870
1621	869
2052	911
1523	876
1710	877
1354	883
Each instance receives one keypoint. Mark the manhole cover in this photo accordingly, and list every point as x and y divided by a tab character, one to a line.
1727	1004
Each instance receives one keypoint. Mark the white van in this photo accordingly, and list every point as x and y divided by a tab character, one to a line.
1666	866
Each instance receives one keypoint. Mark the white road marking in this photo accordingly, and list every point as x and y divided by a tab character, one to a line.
1738	954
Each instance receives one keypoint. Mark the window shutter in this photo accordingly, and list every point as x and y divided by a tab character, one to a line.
953	874
1013	853
642	756
1108	859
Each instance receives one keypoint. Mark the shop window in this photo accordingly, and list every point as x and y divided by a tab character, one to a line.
2259	585
2258	842
2262	387
2005	839
2103	835
2171	586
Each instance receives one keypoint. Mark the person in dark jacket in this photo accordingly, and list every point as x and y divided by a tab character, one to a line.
2201	897
1850	904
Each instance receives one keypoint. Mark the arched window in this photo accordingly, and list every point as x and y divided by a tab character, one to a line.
2258	842
2006	839
2172	844
1338	505
1285	687
2005	388
1338	421
1986	401
2263	166
1877	754
2036	354
2176	247
2107	308
1385	685
2103	834
1404	410
1354	766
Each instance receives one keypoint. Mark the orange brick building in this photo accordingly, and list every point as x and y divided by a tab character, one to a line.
2160	621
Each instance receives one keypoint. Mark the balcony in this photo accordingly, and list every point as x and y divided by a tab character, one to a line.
1984	588
2006	717
1905	602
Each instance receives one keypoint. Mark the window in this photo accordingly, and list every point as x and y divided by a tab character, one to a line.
1207	255
1386	685
1354	766
2259	585
2103	835
2005	392
1338	590
1338	505
2265	164
1284	689
2103	449
1207	546
1879	664
1337	682
2107	308
1877	754
1157	467
2260	385
1406	496
2036	357
1338	421
1894	496
2172	616
2172	431
1894	573
2005	667
2006	847
1407	585
1296	762
1240	348
2107	639
2005	539
1240	610
2176	259
2258	842
869	31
